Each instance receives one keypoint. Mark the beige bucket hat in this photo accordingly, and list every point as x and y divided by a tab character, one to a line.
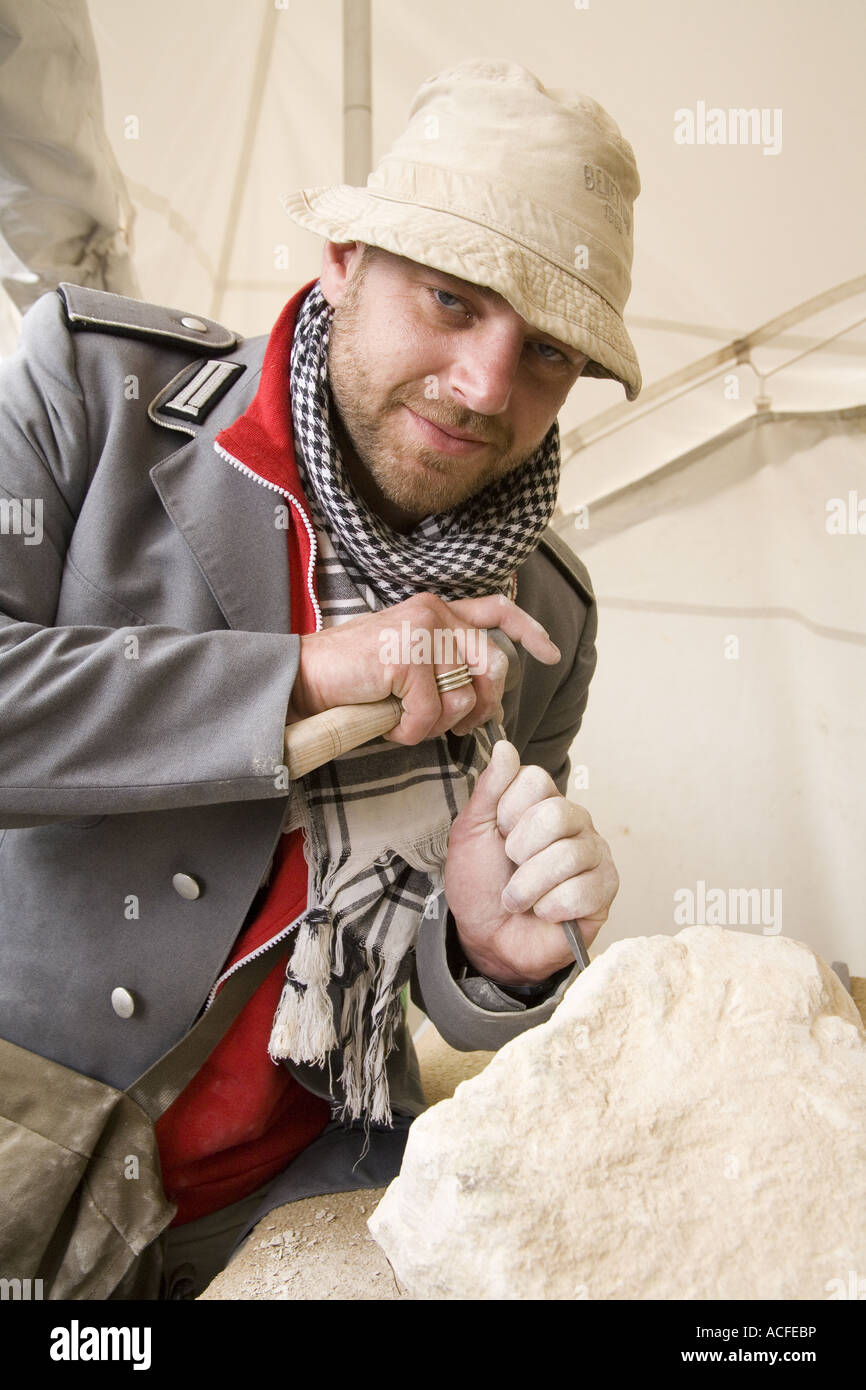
523	190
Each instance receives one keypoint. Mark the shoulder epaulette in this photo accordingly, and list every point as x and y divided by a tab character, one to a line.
104	312
565	560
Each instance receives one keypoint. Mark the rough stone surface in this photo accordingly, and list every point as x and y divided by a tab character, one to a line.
690	1124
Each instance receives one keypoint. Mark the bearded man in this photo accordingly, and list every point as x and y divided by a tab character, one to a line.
229	530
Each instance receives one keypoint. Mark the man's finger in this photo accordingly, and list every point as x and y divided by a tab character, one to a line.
500	772
495	610
531	786
545	874
554	818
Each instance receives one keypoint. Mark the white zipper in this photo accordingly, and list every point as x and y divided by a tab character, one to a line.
311	568
260	950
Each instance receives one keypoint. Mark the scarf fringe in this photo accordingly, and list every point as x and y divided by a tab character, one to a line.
370	1014
366	1047
428	855
303	1027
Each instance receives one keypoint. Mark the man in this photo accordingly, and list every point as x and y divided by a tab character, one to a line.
396	435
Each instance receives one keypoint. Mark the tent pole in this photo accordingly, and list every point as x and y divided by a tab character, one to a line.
357	92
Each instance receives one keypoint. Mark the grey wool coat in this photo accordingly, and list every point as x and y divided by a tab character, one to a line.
146	666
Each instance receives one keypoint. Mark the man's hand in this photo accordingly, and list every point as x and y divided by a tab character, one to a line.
353	662
506	915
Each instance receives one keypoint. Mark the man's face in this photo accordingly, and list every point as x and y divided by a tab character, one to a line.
441	386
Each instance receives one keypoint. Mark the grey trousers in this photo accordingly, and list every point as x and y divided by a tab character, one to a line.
193	1254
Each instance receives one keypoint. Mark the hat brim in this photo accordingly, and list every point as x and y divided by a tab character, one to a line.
550	298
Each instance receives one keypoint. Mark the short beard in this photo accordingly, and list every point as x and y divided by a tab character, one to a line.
439	488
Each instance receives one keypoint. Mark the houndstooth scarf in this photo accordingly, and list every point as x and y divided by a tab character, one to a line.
376	820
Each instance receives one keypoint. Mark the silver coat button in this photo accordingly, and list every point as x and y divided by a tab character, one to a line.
187	886
189	322
122	1002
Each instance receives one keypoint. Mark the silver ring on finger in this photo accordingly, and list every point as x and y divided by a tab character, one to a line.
453	680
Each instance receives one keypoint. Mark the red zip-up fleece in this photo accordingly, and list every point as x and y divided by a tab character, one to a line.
243	1118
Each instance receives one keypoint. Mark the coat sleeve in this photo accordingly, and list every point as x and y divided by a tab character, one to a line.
471	1012
88	728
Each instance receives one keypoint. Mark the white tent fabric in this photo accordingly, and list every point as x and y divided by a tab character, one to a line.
735	773
237	104
213	111
725	740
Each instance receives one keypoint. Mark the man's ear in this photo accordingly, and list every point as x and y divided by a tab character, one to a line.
338	263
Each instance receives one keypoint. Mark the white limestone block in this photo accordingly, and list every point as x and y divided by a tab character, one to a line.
690	1124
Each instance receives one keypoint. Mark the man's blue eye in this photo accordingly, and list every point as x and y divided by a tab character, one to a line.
448	295
556	355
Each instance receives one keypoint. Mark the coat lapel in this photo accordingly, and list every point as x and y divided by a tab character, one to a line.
235	522
229	523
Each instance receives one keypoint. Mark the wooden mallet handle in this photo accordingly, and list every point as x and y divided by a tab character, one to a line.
316	740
